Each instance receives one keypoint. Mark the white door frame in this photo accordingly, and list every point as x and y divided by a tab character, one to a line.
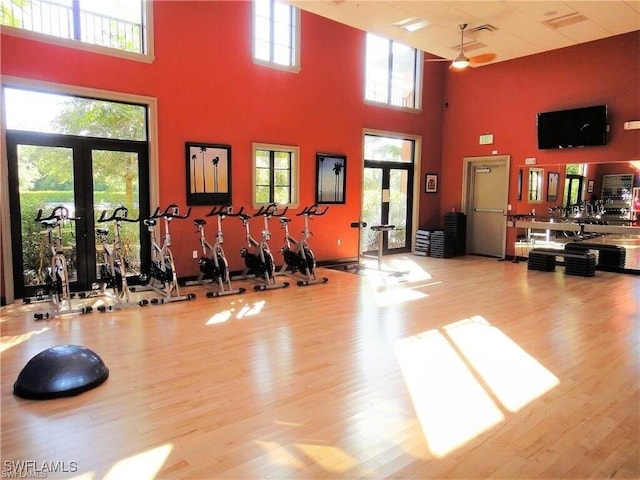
468	185
417	156
59	88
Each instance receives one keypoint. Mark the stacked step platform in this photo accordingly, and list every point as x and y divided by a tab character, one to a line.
611	256
441	245
576	263
455	225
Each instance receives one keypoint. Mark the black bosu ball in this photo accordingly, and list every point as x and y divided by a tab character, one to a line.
60	371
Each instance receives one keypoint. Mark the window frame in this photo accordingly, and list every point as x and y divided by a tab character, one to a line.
294	151
147	27
417	77
293	35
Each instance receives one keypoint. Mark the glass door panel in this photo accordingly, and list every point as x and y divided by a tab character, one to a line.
371	209
45	181
116	184
398	183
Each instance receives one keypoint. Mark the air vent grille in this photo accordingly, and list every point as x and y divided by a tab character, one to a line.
469	46
566	20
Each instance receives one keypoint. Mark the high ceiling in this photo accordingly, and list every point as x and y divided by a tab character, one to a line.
508	29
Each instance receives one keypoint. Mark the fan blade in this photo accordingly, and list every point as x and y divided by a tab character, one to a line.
483	58
437	59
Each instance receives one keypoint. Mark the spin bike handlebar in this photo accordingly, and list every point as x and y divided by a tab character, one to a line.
116	216
270	210
58	213
224	211
172	211
312	211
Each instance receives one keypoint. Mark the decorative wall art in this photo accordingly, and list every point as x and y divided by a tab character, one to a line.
331	173
208	174
431	183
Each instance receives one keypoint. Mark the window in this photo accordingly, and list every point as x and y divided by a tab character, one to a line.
275	174
114	24
535	184
392	73
275	33
72	115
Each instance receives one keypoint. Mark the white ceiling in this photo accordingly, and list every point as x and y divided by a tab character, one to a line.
521	27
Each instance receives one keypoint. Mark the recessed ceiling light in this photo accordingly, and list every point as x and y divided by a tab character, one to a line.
411	24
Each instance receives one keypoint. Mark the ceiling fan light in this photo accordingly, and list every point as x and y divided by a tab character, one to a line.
460	62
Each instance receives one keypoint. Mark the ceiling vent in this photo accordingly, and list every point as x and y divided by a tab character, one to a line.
469	46
565	20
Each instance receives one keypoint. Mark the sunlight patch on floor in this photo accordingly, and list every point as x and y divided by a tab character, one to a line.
145	465
11	341
246	310
332	459
279	455
249	310
514	376
395	296
84	476
397	281
451	405
465	378
394	268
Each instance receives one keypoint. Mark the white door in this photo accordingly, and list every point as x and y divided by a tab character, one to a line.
487	196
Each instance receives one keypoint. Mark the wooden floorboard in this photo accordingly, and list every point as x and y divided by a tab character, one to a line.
465	368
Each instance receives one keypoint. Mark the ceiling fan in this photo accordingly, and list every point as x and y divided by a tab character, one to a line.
462	61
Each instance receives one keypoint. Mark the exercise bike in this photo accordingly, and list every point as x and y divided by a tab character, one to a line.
213	262
260	262
57	275
301	259
162	277
113	270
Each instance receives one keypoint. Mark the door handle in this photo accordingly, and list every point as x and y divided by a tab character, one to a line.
491	210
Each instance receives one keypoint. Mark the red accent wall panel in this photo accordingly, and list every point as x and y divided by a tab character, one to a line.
503	99
209	90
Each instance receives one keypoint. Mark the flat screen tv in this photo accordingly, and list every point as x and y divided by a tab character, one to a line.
578	127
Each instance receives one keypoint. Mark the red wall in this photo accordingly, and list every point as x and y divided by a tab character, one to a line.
209	90
503	99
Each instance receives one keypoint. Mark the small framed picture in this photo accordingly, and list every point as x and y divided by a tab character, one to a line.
590	186
208	174
431	183
331	178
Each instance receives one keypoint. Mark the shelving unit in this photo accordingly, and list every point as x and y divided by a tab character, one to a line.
617	193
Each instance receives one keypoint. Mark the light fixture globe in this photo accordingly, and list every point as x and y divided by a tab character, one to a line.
460	62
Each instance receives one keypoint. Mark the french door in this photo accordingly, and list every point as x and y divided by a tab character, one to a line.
573	191
387	193
86	176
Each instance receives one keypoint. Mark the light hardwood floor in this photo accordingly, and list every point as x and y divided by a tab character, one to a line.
470	368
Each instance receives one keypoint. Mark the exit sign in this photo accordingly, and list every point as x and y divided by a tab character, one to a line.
486	139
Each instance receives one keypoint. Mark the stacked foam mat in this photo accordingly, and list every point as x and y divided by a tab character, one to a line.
423	242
